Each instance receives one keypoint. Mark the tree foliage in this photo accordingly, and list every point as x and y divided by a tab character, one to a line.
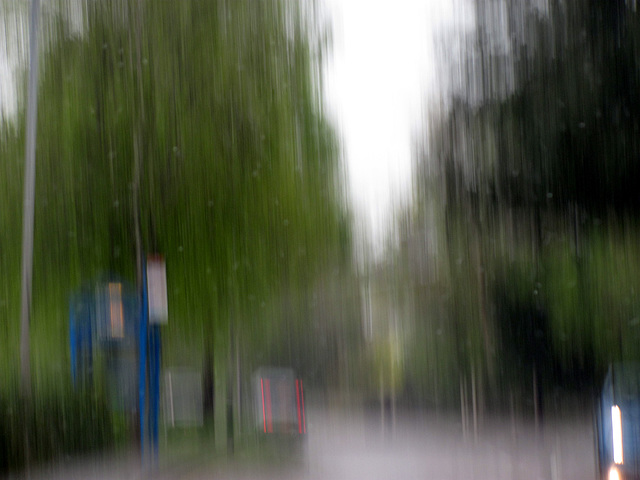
240	185
526	198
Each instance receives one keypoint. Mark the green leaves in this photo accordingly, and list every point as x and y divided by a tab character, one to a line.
532	170
239	181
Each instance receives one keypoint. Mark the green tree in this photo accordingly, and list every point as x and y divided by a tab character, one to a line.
531	163
201	121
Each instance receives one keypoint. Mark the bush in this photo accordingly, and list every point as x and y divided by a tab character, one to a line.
53	424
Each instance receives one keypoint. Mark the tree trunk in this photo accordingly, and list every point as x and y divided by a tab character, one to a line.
208	383
229	392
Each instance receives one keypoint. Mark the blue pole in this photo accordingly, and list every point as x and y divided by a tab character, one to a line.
142	354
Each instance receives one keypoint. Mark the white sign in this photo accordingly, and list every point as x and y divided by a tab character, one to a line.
157	289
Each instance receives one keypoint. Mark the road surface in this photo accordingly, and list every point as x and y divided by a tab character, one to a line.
350	445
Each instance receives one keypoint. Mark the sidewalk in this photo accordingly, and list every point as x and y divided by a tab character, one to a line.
125	465
191	458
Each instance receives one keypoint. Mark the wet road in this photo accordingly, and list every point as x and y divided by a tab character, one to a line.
422	447
352	445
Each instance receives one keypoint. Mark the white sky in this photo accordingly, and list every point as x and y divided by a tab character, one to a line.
382	68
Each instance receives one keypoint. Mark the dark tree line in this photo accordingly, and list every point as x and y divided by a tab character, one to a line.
522	238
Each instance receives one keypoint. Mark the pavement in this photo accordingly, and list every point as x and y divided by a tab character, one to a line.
354	444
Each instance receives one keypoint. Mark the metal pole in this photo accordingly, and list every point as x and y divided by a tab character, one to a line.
154	389
73	341
29	200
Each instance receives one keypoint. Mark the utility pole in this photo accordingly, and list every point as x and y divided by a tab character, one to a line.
29	201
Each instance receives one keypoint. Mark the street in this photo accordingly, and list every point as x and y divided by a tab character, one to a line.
349	445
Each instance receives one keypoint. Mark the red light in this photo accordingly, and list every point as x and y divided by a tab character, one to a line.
298	400
264	418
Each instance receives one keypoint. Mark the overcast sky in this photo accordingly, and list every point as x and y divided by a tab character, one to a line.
382	68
